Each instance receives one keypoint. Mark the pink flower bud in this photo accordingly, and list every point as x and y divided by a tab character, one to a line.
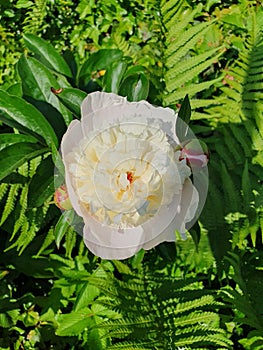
61	198
196	153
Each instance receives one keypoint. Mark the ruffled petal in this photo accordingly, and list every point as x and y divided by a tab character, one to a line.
100	110
185	213
70	140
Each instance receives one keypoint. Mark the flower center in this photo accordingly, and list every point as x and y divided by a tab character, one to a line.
130	177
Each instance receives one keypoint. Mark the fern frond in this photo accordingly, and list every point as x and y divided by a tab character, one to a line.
3	189
22	211
160	313
121	43
49	239
35	16
10	202
191	90
178	49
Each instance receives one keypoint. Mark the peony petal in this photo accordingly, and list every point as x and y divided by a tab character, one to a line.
104	109
188	207
70	140
110	243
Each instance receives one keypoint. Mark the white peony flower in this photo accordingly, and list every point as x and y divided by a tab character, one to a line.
125	175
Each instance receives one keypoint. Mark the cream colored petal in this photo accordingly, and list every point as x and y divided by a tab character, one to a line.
187	210
103	109
109	243
70	140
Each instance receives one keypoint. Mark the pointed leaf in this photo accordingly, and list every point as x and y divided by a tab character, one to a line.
184	118
72	99
47	54
185	110
37	81
101	59
135	87
18	110
10	139
62	225
113	76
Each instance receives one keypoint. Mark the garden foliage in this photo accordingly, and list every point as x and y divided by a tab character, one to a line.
202	293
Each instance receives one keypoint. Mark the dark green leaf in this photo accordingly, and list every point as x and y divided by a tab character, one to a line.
134	70
113	76
15	155
72	99
135	87
195	233
37	81
167	251
185	110
10	139
16	109
52	115
182	122
47	54
101	59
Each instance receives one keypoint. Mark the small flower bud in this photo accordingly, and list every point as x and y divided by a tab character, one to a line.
195	153
61	198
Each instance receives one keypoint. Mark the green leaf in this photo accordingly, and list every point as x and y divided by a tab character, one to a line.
134	70
62	225
17	110
185	110
15	89
47	54
86	295
17	154
42	184
10	139
195	233
37	81
137	259
135	87
113	76
184	118
101	59
74	323
72	99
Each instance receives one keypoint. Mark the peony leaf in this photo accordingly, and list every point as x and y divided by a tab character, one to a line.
37	81
47	54
15	111
135	87
184	114
101	59
113	76
185	110
71	98
10	139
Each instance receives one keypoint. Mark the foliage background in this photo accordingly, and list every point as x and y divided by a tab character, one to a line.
202	293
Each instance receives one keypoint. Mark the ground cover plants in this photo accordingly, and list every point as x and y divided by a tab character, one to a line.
204	292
